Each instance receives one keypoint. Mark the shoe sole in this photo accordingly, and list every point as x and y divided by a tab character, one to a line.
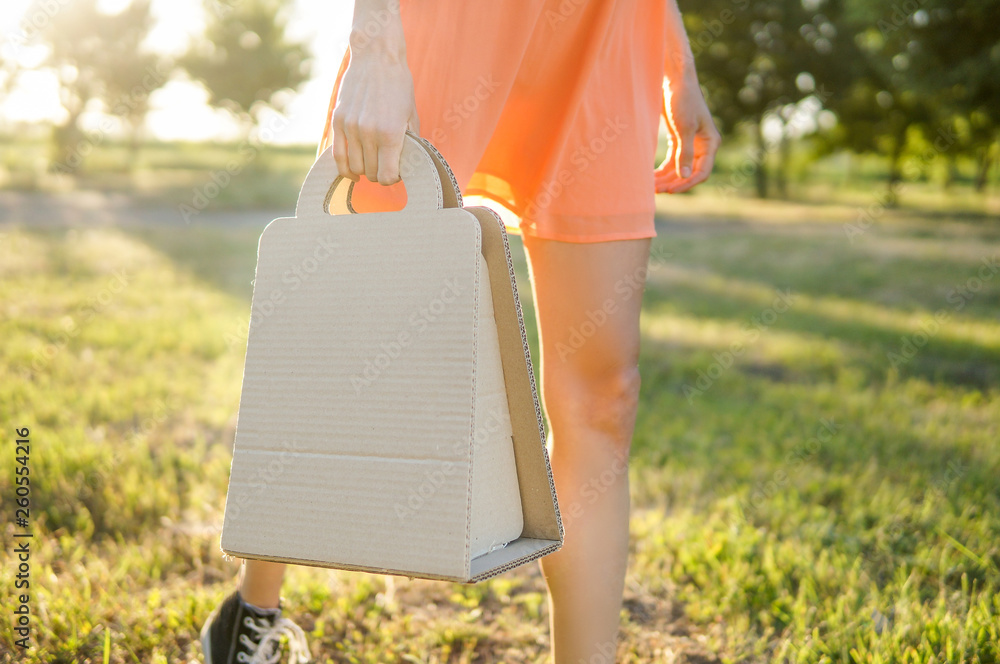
206	642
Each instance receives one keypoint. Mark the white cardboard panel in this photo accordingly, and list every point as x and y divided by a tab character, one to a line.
496	500
306	386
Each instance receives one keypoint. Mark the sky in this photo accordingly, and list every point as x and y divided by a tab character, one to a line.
179	110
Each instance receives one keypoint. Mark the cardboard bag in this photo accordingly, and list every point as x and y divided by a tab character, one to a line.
389	420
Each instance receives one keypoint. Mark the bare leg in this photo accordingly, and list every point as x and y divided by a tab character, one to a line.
588	298
260	583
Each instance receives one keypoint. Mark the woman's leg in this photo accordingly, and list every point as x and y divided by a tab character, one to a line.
260	583
588	297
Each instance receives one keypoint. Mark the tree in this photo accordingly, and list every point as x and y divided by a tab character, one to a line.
130	80
245	60
759	59
8	72
927	84
958	53
97	57
881	105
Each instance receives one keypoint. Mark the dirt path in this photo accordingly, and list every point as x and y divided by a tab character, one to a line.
97	208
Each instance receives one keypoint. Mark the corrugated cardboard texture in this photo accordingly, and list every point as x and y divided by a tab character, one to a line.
496	499
388	420
541	515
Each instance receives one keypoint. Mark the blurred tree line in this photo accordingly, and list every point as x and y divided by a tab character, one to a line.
243	59
891	77
915	81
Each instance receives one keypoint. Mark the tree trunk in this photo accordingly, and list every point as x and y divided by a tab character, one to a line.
952	174
133	145
784	149
760	172
983	172
895	175
68	147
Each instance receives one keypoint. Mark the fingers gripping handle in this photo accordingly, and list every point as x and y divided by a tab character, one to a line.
428	180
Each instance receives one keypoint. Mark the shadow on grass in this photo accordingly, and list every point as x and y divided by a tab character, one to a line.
223	257
934	358
821	262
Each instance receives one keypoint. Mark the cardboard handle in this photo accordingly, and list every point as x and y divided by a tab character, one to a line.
421	168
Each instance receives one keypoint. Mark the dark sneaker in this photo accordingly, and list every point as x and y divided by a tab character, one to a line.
238	633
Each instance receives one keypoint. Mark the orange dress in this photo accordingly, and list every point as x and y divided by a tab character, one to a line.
549	107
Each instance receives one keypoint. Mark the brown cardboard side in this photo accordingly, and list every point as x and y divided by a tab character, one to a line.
452	194
538	492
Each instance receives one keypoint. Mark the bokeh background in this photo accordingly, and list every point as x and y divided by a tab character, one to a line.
816	460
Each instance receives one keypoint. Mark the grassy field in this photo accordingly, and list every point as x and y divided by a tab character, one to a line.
814	473
174	173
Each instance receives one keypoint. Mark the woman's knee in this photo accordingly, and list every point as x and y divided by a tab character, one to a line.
605	400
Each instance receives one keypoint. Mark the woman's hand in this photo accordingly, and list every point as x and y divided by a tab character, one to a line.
375	105
694	136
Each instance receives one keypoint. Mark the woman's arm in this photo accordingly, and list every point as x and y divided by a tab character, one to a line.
694	136
375	105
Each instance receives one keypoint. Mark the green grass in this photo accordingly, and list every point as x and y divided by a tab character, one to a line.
254	175
167	173
806	501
